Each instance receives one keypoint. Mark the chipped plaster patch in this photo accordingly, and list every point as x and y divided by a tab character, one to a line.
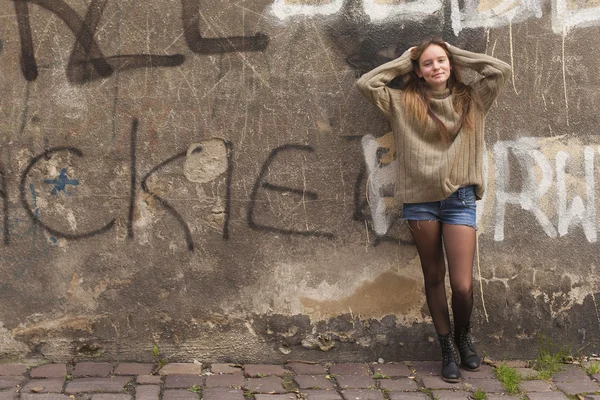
206	160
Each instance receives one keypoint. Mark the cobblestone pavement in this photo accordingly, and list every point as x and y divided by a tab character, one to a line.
294	380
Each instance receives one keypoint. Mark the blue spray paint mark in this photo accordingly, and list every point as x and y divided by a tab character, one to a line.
61	182
53	240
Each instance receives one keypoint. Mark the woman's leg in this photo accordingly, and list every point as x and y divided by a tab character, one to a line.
428	238
459	243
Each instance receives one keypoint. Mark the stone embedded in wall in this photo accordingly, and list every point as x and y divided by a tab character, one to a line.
206	160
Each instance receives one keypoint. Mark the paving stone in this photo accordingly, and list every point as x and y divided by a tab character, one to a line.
321	395
258	370
12	369
435	382
535	386
424	368
408	396
49	371
8	395
350	369
86	385
355	382
149	379
585	385
270	384
307	369
233	381
179	394
501	397
451	395
147	392
485	372
181	369
527	373
401	384
362	394
289	396
488	385
134	369
592	397
547	396
44	396
90	369
570	374
392	370
53	385
9	382
313	382
596	377
183	381
222	394
111	396
225	369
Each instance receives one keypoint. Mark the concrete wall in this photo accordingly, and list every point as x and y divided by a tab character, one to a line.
203	175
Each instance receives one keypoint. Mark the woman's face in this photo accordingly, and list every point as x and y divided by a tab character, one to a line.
434	67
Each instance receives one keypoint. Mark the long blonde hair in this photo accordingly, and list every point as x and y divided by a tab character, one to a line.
415	95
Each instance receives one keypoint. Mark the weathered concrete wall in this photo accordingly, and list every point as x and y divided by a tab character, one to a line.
194	174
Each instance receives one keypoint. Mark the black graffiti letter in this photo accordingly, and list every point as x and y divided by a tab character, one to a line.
229	146
165	204
86	62
28	64
132	176
4	195
23	195
191	29
259	183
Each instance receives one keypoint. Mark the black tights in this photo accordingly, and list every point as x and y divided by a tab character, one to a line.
458	241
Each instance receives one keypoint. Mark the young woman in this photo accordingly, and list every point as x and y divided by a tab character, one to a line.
438	124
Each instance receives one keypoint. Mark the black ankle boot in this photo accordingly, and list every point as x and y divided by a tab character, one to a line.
450	372
468	356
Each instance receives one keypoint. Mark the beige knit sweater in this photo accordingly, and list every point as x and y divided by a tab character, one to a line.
429	170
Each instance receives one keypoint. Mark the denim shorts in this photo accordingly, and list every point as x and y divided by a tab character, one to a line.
457	209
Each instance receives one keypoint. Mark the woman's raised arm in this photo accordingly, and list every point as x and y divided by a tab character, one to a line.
495	73
373	84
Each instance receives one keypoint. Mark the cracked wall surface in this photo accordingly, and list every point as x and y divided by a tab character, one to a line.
203	176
